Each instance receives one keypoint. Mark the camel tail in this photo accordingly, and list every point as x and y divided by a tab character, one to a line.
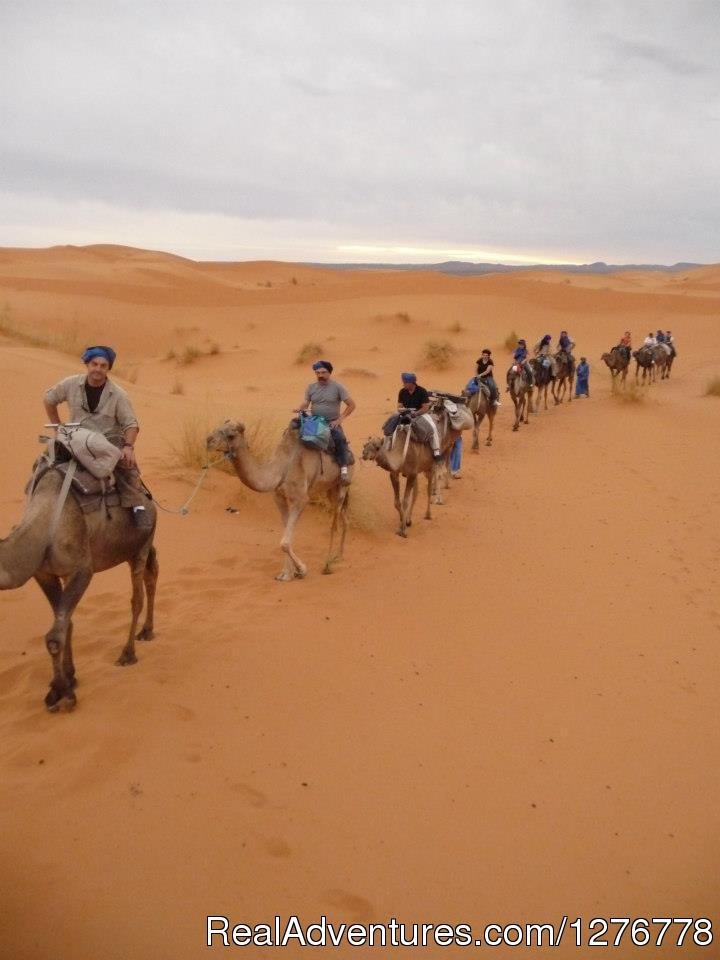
21	554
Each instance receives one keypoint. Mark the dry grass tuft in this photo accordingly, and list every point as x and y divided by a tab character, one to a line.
171	354
631	393
215	349
363	514
177	389
403	317
64	341
188	445
713	387
455	327
189	355
309	351
511	341
438	354
125	373
358	372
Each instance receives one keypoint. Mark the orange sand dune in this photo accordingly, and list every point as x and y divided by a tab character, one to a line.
509	717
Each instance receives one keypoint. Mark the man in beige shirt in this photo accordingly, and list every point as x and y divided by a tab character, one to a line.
97	403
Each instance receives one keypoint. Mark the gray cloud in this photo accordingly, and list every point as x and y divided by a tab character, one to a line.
571	127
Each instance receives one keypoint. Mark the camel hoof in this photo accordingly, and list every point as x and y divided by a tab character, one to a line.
488	443
126	660
300	574
401	533
55	700
515	427
146	634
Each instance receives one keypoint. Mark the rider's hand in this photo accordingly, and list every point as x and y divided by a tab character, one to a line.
128	458
334	423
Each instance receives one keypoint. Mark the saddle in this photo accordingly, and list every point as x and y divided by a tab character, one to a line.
329	446
89	492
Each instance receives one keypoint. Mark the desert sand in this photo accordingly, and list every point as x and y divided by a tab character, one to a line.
510	716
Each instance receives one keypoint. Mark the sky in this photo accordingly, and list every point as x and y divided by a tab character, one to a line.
363	131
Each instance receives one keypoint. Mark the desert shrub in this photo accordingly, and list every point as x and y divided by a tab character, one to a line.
171	354
309	351
189	355
358	372
178	388
403	317
631	393
214	349
188	444
510	341
125	373
456	327
53	337
713	387
438	354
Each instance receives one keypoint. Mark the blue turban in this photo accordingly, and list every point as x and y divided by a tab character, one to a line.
408	378
107	353
323	365
547	338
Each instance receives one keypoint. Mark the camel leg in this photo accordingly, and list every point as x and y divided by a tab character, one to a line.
294	567
411	505
491	421
61	686
52	588
338	497
435	470
476	433
137	571
407	498
150	576
428	475
395	481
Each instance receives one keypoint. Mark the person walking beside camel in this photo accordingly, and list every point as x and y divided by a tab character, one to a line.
323	399
98	403
582	378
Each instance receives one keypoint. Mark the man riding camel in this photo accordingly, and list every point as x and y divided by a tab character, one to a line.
98	403
323	399
485	375
541	351
416	399
521	358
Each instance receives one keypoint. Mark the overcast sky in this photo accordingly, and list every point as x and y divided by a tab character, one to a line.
346	130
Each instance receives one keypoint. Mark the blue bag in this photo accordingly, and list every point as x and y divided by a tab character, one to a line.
315	432
472	386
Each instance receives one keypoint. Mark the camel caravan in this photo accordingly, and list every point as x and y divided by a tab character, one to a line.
656	355
88	509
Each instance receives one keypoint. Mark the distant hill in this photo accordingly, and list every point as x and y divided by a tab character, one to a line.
463	268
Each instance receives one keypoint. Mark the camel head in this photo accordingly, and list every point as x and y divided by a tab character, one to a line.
372	447
227	437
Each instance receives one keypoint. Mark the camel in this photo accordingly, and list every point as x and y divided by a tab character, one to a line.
618	361
63	563
520	393
409	458
479	405
544	378
295	474
663	360
565	374
645	359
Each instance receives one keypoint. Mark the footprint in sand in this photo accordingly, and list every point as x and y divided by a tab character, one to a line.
277	847
357	908
249	794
